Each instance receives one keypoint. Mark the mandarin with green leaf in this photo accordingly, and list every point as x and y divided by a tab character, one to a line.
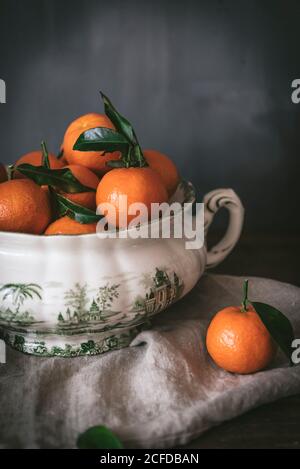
132	180
93	160
238	341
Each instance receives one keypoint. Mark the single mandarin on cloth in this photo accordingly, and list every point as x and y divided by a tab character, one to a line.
238	341
93	160
24	207
68	226
165	167
35	158
3	173
88	179
139	184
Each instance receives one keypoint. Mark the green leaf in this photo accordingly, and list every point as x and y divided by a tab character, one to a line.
61	179
98	438
102	139
121	123
77	212
45	157
137	157
278	325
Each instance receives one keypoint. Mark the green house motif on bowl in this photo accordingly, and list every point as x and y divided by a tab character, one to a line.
165	291
90	323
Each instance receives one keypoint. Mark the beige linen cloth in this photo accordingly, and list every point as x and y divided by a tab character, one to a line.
162	391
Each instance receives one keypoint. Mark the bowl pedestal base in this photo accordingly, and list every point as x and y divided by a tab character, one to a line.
70	346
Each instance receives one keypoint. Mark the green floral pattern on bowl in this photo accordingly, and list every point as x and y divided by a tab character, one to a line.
83	315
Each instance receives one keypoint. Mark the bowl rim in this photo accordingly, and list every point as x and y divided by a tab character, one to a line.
183	184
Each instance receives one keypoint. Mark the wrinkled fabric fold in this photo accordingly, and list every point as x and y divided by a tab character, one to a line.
160	392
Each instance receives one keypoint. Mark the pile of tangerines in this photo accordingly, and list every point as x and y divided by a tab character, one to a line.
100	161
58	195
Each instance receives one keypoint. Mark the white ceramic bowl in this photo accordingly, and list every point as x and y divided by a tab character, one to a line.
85	295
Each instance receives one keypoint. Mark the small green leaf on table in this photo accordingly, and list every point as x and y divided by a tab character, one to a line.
98	438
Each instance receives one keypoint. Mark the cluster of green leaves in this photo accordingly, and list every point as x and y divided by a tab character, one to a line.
60	180
123	139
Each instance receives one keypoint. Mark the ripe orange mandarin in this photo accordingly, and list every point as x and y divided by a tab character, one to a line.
140	185
165	167
94	160
239	342
68	226
24	207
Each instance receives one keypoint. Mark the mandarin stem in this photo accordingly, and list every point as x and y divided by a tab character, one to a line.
139	153
10	172
245	299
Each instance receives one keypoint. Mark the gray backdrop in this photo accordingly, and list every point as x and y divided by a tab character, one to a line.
207	82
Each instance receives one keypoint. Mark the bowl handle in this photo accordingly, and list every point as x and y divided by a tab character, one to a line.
213	201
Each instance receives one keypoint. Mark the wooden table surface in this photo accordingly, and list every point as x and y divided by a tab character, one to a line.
275	425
